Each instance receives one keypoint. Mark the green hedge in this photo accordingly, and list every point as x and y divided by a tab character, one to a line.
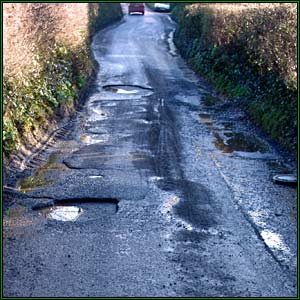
52	85
104	14
249	53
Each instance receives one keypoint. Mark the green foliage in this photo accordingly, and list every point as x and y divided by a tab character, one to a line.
10	135
58	73
103	14
31	100
209	100
81	81
232	49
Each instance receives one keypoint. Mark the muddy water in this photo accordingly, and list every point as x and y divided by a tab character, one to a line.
40	178
80	210
62	213
287	179
94	138
239	142
228	141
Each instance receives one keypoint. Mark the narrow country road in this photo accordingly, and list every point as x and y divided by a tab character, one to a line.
167	196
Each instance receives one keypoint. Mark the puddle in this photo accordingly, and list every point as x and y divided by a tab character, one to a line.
287	179
125	89
122	91
142	121
71	210
62	213
155	178
100	112
239	142
32	182
94	139
206	120
95	114
39	178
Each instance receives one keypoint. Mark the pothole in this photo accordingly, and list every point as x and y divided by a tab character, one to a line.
86	209
96	114
239	142
62	213
206	120
286	179
99	112
126	89
94	139
96	176
142	121
40	177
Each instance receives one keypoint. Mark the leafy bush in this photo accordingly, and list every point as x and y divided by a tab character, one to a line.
30	100
248	51
103	15
51	83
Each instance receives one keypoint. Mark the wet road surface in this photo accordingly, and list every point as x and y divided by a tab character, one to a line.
154	191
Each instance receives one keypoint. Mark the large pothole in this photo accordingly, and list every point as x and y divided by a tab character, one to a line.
239	142
127	89
70	210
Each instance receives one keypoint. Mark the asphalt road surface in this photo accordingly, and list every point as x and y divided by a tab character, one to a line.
152	191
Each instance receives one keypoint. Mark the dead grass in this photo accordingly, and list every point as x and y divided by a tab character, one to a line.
28	27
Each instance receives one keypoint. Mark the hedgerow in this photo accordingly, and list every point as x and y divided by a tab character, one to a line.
52	87
249	52
57	65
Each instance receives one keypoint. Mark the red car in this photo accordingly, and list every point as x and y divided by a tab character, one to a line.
136	8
